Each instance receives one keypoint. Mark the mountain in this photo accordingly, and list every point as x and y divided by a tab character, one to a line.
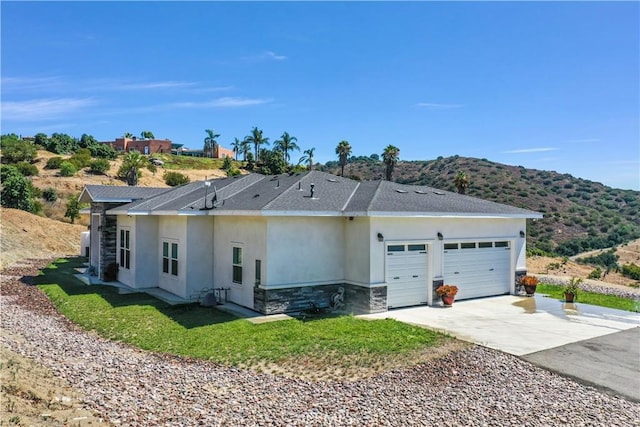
579	214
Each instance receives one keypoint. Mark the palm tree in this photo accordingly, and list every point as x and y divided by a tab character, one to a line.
308	158
236	146
257	140
245	149
343	150
461	181
146	134
210	143
128	135
390	158
132	162
285	144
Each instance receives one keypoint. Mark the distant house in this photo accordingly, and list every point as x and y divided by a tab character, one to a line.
279	243
217	152
144	146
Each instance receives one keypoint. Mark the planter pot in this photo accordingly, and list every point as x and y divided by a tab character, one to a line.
530	289
447	300
569	297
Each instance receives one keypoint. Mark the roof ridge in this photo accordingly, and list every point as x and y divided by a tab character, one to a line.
240	188
375	193
355	190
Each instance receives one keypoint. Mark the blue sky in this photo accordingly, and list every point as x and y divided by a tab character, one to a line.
545	85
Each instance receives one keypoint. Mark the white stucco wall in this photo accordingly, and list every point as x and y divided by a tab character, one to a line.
199	254
305	250
147	262
357	244
246	232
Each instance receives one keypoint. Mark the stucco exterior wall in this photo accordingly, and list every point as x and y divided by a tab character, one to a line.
357	246
305	250
147	262
248	233
199	254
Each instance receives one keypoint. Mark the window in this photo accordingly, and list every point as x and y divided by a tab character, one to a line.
450	246
237	265
258	272
170	258
502	244
395	248
417	247
125	249
485	244
467	245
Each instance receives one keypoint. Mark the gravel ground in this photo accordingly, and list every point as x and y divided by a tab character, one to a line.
475	386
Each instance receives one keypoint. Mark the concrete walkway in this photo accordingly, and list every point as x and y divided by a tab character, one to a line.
596	345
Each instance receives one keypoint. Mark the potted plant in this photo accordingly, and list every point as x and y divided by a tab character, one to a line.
447	293
571	289
530	283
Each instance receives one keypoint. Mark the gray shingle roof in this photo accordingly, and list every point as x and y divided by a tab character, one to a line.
333	195
113	193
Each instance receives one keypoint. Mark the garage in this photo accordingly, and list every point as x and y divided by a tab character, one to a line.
406	274
478	269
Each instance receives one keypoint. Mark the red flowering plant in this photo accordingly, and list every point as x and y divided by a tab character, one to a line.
529	281
447	290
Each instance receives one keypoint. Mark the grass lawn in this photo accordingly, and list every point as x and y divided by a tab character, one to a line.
316	348
592	298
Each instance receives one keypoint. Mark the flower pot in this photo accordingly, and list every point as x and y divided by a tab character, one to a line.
447	300
530	289
569	297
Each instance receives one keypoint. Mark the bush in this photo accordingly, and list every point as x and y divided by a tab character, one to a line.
175	178
227	164
631	271
103	151
54	163
16	150
99	166
233	172
50	194
595	274
81	158
68	169
27	169
17	191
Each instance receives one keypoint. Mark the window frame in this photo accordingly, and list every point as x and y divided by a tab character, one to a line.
236	265
170	254
124	248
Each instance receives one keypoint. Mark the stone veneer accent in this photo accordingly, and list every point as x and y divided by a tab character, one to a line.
436	285
519	275
357	299
108	234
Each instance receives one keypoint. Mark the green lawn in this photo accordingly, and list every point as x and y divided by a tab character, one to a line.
320	344
592	298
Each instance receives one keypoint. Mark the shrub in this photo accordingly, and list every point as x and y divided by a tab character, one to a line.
175	178
233	172
81	158
50	194
631	271
103	151
27	169
16	150
595	274
54	163
99	166
17	191
227	164
68	169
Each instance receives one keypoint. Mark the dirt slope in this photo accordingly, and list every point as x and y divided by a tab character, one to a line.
24	235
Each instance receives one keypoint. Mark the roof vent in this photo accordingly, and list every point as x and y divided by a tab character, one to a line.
277	183
439	193
312	187
420	192
401	191
332	180
256	195
299	186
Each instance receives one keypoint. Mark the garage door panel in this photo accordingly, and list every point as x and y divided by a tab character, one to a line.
478	272
406	277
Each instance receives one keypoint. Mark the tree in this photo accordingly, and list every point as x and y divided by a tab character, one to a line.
390	158
86	141
61	143
174	179
343	150
245	149
16	150
210	143
307	158
236	146
146	134
17	191
461	181
131	164
273	162
257	140
73	208
285	144
41	140
128	135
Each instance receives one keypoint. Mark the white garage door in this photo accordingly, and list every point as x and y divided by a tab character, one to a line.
406	274
478	269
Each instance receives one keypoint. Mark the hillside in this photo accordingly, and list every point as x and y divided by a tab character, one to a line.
579	214
24	235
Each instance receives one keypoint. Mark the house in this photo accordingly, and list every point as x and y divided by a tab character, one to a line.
279	243
144	146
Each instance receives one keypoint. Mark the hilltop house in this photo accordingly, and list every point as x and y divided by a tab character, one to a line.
278	243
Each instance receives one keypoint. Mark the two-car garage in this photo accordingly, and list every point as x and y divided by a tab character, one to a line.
478	269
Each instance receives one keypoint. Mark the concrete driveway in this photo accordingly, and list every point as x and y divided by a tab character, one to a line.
548	330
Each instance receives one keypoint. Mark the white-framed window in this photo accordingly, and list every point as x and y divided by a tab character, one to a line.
237	264
170	257
125	248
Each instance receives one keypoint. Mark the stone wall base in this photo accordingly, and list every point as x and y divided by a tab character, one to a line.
356	299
